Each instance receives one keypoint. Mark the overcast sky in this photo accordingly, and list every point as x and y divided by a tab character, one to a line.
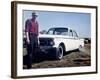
80	22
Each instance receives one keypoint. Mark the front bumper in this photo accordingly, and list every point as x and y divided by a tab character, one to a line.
47	49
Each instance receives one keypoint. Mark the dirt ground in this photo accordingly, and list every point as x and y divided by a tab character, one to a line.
70	59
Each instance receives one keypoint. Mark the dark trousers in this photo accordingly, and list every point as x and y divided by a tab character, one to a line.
31	49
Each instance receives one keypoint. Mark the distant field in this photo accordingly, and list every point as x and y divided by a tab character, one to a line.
70	59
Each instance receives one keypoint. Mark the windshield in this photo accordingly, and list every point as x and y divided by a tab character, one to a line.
58	31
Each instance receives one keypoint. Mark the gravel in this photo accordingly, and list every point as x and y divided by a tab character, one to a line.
70	59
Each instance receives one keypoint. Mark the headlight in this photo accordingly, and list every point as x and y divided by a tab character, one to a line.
52	43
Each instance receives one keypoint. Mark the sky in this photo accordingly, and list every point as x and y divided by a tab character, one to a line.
80	22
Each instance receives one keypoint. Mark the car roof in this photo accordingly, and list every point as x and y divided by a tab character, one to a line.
58	28
62	28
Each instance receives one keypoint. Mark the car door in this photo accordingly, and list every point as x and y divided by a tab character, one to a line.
71	40
76	40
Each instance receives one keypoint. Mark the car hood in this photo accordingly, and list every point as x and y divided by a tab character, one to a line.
52	36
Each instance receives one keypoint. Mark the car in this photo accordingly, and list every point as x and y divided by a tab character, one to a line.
59	40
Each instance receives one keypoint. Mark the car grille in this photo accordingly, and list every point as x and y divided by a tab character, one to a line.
45	41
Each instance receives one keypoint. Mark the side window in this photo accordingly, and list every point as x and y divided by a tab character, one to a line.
70	33
75	34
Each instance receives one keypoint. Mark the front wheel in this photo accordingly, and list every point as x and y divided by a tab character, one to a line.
59	53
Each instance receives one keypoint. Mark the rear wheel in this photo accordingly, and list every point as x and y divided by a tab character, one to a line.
80	48
59	52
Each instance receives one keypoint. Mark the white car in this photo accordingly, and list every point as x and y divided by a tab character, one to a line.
59	40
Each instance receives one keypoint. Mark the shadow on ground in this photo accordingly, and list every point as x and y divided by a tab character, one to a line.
41	56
